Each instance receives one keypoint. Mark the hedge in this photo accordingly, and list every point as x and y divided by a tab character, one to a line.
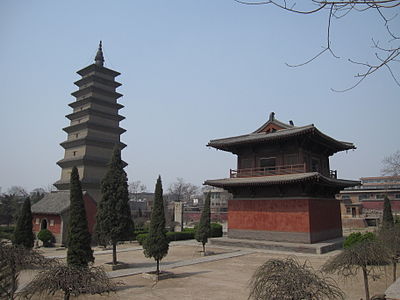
186	234
7	232
357	237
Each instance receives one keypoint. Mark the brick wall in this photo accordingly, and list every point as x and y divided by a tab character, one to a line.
55	228
90	207
290	215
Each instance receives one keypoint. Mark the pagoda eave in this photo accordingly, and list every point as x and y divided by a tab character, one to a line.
84	160
92	142
94	78
89	111
95	126
95	90
96	68
96	101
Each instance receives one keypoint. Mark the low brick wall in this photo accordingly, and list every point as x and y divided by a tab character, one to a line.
354	223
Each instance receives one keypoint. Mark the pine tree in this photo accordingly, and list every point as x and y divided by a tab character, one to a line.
387	219
113	220
79	252
156	244
23	234
204	228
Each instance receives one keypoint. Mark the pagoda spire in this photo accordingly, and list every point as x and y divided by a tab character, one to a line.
99	59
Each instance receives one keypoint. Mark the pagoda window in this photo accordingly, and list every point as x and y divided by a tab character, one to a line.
268	163
76	135
315	165
246	163
291	159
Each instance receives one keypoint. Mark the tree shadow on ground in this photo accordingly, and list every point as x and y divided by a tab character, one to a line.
125	287
188	274
150	264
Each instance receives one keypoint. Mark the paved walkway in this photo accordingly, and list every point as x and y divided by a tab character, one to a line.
102	252
182	263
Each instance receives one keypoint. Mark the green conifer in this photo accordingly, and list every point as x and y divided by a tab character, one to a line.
156	244
79	252
204	228
387	219
113	220
23	234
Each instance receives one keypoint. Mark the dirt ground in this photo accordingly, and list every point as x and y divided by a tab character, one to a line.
222	279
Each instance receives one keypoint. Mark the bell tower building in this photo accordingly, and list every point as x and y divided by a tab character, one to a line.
94	127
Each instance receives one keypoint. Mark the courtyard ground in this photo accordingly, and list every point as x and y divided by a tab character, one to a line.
223	275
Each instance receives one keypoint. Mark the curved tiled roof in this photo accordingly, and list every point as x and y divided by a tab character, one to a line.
262	137
280	179
53	203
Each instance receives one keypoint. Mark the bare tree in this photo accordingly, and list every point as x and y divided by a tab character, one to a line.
181	190
13	259
71	280
367	256
386	54
17	191
391	164
288	279
136	187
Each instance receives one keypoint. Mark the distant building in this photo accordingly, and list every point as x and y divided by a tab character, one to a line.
219	199
366	200
141	203
283	188
92	135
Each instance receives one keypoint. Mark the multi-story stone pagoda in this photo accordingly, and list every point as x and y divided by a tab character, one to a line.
283	189
94	129
92	135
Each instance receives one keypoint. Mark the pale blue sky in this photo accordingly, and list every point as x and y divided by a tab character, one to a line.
191	71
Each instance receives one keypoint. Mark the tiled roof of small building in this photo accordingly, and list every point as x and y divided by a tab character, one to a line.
280	179
53	203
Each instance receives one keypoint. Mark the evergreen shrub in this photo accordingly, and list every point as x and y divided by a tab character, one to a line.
357	237
46	237
216	230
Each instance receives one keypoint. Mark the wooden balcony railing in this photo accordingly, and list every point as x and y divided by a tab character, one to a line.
268	171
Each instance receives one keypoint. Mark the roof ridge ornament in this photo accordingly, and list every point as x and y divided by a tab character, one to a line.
272	116
99	59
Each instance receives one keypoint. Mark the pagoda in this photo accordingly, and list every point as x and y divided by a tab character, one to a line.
283	189
92	135
94	127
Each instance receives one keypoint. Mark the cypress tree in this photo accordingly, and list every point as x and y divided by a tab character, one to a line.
79	252
204	228
113	220
156	244
387	219
23	234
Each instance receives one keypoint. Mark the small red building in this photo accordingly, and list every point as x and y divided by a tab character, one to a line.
283	188
52	213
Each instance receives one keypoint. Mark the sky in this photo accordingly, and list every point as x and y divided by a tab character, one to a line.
191	71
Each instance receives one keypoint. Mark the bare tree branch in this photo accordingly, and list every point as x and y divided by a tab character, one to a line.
385	56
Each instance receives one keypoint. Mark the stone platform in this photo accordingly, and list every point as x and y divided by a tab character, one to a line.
316	248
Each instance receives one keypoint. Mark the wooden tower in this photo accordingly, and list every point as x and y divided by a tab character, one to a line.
283	189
